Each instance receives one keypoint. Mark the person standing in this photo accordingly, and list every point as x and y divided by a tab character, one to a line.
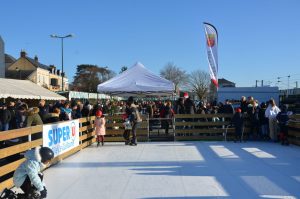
12	109
283	118
100	127
263	122
44	109
271	113
168	114
238	122
33	117
5	117
244	104
135	118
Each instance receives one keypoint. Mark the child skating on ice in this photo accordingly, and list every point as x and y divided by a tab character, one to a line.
100	127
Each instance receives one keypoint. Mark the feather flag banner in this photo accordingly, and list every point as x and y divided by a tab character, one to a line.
211	35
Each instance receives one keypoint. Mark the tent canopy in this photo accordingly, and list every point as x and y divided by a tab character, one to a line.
25	89
137	80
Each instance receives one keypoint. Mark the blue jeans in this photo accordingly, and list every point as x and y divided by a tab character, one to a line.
5	126
264	130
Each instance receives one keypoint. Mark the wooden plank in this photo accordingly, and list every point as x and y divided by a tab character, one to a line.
120	125
114	139
7	135
86	136
294	125
294	133
36	129
114	124
295	116
114	131
210	130
19	148
201	123
86	119
121	139
85	128
6	184
11	134
5	169
183	116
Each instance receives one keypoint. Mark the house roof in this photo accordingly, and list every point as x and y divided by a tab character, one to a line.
9	58
37	64
224	81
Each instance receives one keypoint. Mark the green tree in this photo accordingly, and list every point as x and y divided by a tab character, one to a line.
88	77
124	68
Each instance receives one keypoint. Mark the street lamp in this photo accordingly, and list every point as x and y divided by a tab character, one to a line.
62	56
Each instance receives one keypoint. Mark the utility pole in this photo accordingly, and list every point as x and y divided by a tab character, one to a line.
287	94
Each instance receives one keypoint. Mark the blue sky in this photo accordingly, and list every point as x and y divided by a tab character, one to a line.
258	39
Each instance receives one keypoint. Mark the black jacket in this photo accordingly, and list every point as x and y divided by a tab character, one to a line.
5	116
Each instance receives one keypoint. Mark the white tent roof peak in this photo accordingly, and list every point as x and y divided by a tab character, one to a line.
137	80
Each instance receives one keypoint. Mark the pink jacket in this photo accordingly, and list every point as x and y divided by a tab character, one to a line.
100	126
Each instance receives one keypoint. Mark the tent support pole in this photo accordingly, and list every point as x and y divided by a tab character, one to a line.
173	122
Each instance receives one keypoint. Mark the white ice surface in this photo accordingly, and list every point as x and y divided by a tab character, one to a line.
178	170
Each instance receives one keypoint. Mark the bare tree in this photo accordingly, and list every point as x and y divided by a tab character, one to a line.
199	82
175	74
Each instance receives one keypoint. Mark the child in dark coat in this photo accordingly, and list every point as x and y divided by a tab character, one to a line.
238	121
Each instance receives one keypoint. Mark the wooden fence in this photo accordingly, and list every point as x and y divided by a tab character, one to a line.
294	129
204	127
186	127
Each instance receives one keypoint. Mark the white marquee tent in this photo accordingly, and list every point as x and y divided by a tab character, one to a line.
25	89
137	80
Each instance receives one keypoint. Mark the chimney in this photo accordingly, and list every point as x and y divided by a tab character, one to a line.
23	53
51	68
58	72
36	59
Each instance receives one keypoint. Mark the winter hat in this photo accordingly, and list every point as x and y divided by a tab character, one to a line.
185	95
98	113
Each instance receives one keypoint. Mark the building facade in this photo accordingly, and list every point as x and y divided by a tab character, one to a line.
31	69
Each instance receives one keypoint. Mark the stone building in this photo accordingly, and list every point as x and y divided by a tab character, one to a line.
31	69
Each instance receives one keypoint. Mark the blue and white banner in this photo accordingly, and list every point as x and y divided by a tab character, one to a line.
211	35
61	137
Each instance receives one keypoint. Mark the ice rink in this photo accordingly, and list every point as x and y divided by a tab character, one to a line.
178	170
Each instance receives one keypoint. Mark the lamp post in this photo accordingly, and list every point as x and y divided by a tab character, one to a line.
62	56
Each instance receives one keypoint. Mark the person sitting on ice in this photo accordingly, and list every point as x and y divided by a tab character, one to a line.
28	175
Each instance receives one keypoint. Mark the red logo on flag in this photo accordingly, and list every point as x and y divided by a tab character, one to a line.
210	40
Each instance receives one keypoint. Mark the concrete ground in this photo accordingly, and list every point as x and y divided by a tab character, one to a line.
178	170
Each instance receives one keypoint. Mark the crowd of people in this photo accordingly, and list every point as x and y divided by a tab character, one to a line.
263	117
